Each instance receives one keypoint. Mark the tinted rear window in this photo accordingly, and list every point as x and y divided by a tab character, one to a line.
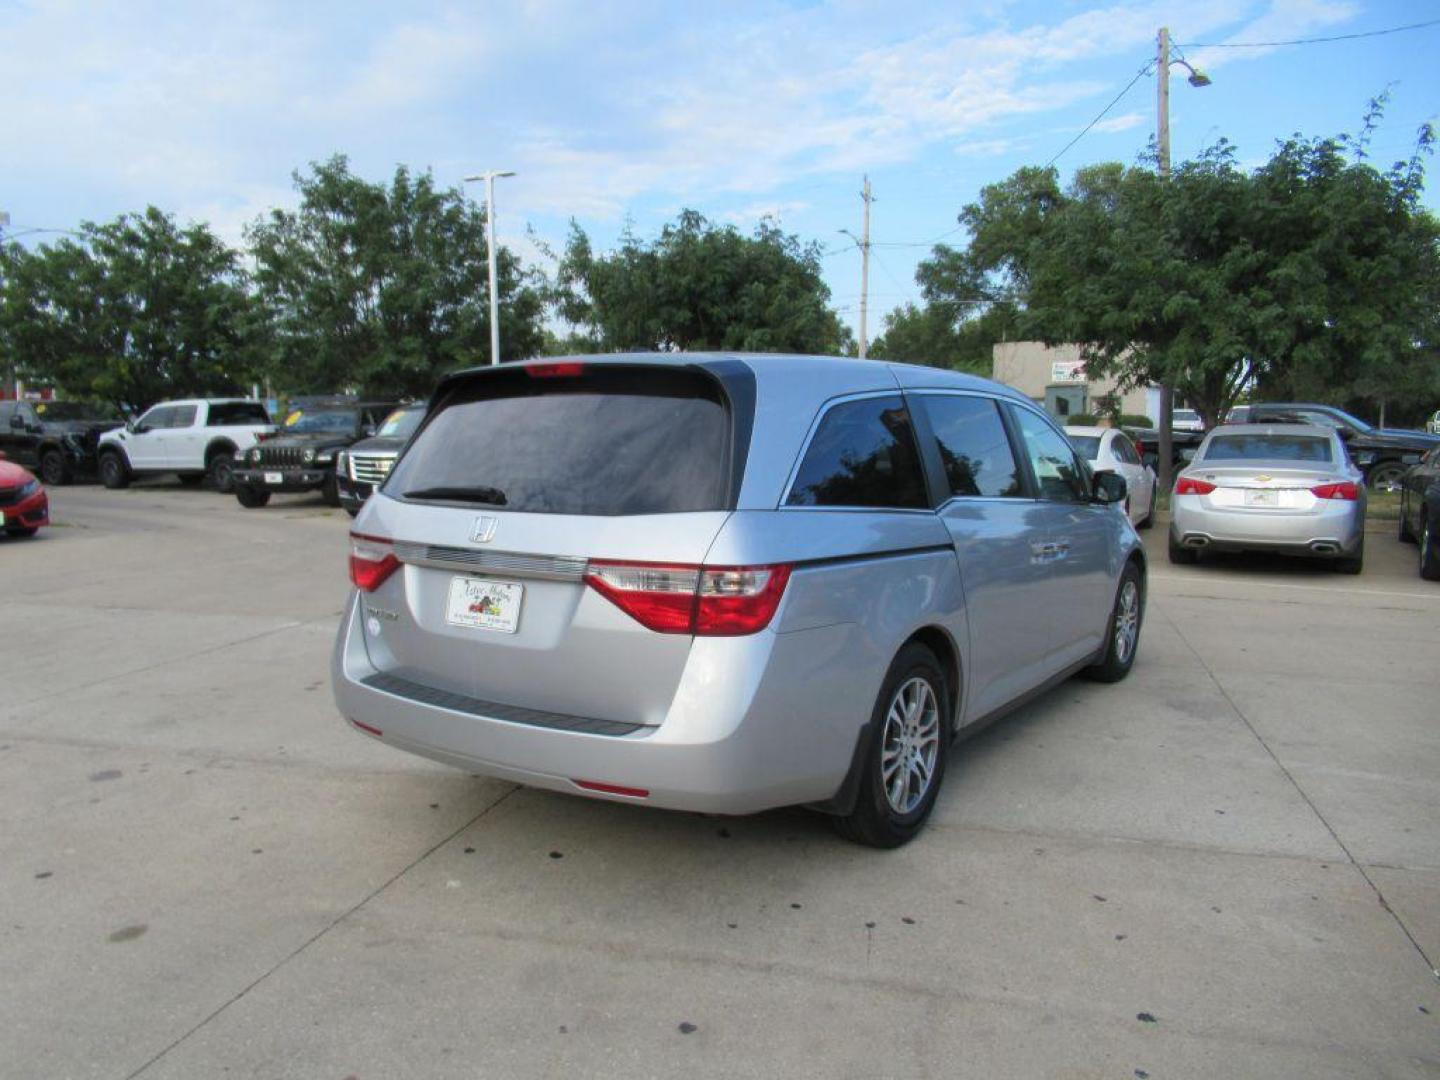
862	455
237	412
609	442
1088	446
1268	448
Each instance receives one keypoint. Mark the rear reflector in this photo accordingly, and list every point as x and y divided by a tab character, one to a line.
612	789
1190	486
568	369
1343	490
711	601
368	729
372	560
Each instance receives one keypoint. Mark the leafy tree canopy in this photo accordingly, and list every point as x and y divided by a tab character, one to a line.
698	287
383	288
131	312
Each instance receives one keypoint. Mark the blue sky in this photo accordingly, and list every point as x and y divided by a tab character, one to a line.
631	111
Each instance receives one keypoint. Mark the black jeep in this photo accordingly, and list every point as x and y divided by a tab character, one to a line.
55	438
301	455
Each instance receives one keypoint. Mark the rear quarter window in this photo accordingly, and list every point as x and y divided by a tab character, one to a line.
611	441
863	455
237	413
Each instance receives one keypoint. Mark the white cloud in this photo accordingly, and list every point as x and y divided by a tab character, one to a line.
1122	123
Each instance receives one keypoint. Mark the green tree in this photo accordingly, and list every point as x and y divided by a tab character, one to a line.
700	287
131	312
1313	275
945	334
384	288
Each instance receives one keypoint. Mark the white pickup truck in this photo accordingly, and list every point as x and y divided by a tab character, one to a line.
194	439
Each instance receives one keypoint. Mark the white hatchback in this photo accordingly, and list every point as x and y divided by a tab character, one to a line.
1109	449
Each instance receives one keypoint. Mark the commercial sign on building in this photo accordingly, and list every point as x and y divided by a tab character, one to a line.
1067	371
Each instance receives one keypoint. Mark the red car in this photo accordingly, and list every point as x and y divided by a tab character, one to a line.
23	503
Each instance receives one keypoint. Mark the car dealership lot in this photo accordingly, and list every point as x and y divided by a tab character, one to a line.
1227	865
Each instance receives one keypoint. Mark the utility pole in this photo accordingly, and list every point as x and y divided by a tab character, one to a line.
865	268
489	178
1162	137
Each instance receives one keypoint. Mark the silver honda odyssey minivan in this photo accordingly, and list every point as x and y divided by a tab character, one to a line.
724	583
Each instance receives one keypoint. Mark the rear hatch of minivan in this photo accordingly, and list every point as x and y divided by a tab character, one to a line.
541	532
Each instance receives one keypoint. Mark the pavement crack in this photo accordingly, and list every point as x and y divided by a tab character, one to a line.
322	932
1314	809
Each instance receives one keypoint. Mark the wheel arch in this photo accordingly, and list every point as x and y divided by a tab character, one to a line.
116	448
217	446
938	641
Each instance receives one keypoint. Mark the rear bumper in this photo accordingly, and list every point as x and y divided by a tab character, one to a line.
290	479
1335	529
746	731
29	513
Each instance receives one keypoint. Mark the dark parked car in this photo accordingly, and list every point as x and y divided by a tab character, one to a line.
57	439
1383	454
1420	512
301	456
363	468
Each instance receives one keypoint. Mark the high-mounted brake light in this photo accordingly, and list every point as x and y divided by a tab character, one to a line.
1345	489
566	369
1190	486
710	601
372	560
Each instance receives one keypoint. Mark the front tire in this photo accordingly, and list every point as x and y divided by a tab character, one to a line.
330	491
905	762
1122	638
1407	534
53	469
19	532
251	498
114	473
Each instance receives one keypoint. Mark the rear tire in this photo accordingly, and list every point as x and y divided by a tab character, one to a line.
1180	555
330	491
1386	476
1429	550
251	498
54	469
114	472
221	473
1352	564
910	733
1122	636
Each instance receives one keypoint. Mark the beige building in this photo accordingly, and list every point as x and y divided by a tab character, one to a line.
1054	376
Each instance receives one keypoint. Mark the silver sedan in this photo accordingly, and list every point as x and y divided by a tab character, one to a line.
1290	488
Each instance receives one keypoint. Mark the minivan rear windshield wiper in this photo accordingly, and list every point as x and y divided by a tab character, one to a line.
493	496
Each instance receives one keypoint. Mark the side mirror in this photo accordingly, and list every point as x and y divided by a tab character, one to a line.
368	431
137	428
1109	487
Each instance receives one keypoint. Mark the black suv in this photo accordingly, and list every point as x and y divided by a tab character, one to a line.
363	468
57	439
301	455
1383	454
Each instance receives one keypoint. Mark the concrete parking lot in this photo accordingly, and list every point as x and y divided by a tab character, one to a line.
1228	865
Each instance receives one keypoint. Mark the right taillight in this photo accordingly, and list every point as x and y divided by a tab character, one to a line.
709	601
1190	486
1343	490
372	560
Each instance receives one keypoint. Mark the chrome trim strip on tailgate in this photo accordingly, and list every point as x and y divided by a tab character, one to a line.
490	710
441	557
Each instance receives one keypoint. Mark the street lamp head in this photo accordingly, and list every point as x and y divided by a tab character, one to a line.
1198	77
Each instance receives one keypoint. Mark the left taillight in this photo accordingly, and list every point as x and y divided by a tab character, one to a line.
707	601
372	560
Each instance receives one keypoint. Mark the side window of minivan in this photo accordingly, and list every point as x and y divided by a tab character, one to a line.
974	449
863	454
1057	470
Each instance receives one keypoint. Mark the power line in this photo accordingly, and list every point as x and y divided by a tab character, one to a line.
1145	70
1311	41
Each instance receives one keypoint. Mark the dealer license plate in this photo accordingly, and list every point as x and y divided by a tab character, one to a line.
1262	498
482	604
274	478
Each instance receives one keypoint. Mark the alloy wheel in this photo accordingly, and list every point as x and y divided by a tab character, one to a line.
1127	621
911	745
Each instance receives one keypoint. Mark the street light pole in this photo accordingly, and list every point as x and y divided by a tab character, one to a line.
1162	138
489	178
